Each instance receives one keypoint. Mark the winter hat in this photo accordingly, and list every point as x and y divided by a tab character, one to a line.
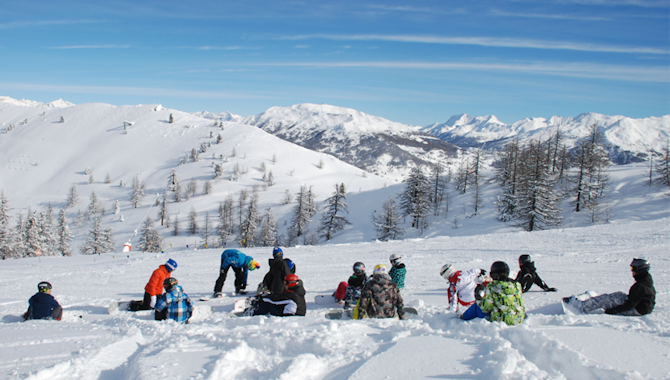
43	287
171	265
379	269
253	264
277	252
447	271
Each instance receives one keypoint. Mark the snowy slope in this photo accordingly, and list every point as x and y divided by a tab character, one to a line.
90	344
630	139
369	142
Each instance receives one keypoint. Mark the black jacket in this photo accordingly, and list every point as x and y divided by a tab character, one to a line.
291	302
274	279
641	296
527	276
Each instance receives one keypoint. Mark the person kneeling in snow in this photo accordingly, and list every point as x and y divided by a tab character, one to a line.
528	276
43	305
354	286
380	297
463	285
174	304
640	300
154	287
502	300
290	302
398	270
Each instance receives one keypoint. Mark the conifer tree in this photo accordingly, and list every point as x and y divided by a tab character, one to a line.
151	239
663	166
332	221
99	240
64	235
163	213
72	197
7	237
193	221
47	234
476	181
438	187
226	220
137	193
117	207
506	173
33	240
175	230
591	162
302	213
241	203
20	236
93	206
387	222
268	236
207	189
415	199
173	187
206	230
463	177
249	225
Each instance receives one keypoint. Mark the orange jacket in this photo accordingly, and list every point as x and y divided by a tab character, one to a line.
155	285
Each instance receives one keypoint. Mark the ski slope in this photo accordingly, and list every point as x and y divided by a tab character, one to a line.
90	344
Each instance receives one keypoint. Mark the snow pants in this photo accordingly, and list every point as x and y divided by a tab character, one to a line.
144	305
607	301
239	279
474	312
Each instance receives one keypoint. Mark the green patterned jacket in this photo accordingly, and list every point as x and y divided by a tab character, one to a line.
504	301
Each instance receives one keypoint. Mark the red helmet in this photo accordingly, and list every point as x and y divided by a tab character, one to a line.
291	280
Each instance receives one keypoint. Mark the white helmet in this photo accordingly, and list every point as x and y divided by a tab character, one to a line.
395	258
447	271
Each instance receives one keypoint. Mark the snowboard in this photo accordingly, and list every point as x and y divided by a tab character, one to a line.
326	300
119	306
410	312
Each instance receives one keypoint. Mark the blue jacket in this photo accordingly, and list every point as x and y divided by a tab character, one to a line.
236	259
177	304
42	306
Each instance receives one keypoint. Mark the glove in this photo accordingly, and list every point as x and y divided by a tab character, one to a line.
550	290
609	311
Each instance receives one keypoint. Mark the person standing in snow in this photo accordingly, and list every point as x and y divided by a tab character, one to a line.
463	286
398	270
502	300
279	269
288	303
43	305
174	304
241	264
354	286
640	300
380	297
154	287
528	276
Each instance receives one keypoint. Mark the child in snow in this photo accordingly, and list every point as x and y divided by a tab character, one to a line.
241	264
43	305
502	300
279	269
640	300
527	275
290	302
354	286
380	297
174	304
463	286
398	270
154	287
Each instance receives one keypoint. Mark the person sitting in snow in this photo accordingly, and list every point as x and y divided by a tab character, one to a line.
43	305
640	300
279	269
241	264
398	270
463	286
354	286
380	297
528	276
502	300
288	303
154	287
174	304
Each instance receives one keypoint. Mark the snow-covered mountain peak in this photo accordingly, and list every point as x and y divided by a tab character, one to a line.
60	103
222	116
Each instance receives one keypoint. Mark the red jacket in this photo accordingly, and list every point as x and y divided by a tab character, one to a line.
155	285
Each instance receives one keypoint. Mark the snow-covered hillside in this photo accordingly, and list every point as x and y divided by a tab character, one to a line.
369	142
631	140
90	344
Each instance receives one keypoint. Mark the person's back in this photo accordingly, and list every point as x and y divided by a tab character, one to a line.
274	279
528	276
380	297
174	304
642	295
398	270
43	305
288	303
503	300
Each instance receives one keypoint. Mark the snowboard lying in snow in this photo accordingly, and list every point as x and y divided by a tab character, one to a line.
326	300
410	312
200	312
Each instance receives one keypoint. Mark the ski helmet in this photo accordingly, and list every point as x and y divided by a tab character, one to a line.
395	258
291	265
447	271
379	269
639	265
169	283
524	259
291	280
359	268
43	287
499	270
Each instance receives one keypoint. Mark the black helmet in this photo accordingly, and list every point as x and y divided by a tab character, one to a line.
639	265
524	259
170	282
359	267
499	270
43	286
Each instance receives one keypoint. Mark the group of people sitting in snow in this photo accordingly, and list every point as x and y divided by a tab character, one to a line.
472	294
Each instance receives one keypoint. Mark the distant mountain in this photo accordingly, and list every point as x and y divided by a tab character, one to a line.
630	140
223	116
371	143
60	103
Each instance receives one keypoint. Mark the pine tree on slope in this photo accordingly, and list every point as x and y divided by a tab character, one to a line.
7	236
387	222
331	221
99	240
64	235
268	236
247	236
415	199
151	239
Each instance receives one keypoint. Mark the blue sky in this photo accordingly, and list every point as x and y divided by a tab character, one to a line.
415	62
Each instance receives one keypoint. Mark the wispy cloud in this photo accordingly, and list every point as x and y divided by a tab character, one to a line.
637	3
23	24
92	47
485	41
217	47
582	70
398	8
500	13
